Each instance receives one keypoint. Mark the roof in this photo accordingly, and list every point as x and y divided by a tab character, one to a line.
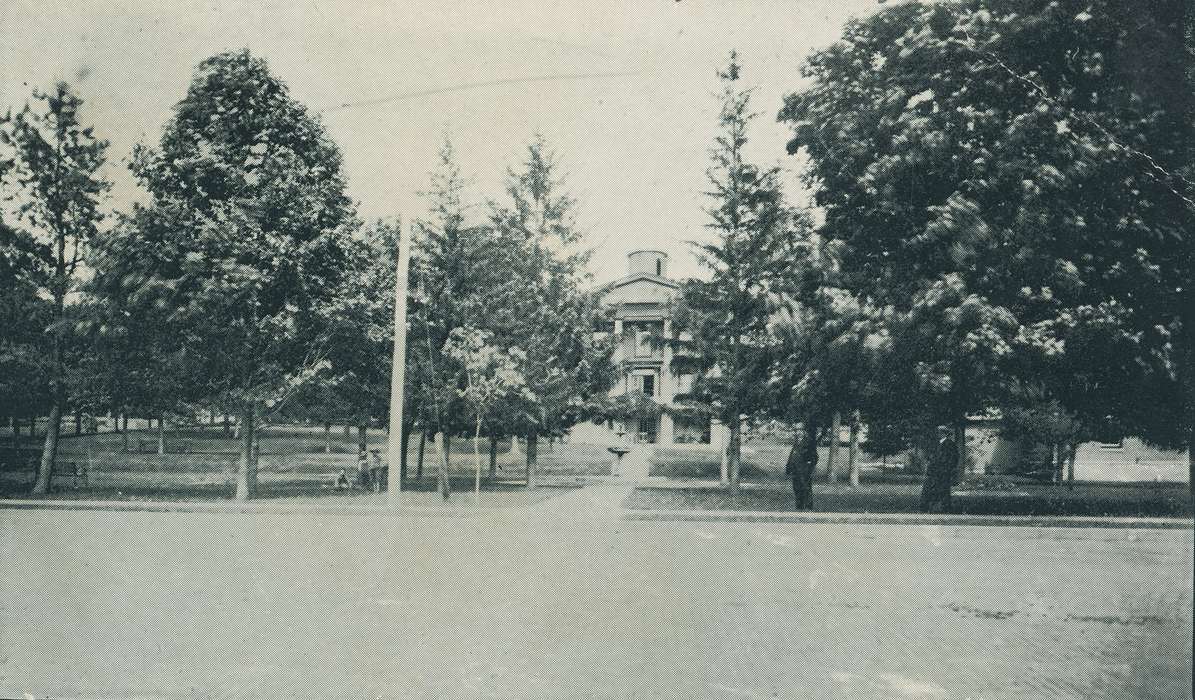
637	277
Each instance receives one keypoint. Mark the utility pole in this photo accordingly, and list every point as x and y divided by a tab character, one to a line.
398	367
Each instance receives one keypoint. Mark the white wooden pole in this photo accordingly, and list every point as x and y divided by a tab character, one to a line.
398	367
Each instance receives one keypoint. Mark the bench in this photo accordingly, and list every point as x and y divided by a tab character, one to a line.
182	446
147	444
68	470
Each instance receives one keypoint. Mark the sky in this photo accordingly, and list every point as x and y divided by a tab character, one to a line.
624	92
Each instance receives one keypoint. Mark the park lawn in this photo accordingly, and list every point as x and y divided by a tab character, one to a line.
292	464
1087	499
762	460
291	488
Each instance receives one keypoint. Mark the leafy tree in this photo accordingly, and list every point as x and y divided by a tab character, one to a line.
491	374
824	355
462	281
245	238
549	312
24	316
722	323
52	178
1004	176
360	321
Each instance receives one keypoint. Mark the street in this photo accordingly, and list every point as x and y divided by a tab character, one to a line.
563	600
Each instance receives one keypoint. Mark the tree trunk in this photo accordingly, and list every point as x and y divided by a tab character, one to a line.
940	465
327	438
362	447
247	468
724	466
124	440
1070	465
960	444
734	454
419	454
493	457
78	423
832	455
852	455
227	426
161	434
45	470
406	445
532	458
442	471
477	462
124	422
346	430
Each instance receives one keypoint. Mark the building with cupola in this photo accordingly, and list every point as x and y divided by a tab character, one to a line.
641	304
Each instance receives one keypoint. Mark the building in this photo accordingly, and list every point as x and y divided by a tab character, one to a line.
642	306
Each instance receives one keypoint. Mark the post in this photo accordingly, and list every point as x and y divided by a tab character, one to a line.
398	369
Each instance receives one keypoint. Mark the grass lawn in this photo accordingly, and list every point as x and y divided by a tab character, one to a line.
762	461
1092	499
293	464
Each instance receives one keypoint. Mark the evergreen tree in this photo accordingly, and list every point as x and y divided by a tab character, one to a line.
550	313
722	324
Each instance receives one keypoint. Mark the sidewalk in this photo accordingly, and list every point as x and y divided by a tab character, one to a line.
1071	521
598	501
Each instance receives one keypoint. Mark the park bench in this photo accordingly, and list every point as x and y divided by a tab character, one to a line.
74	471
182	446
147	444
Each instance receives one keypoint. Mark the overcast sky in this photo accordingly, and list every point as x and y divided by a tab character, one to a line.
631	127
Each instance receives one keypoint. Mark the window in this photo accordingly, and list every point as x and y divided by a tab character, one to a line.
648	384
659	267
643	344
647	431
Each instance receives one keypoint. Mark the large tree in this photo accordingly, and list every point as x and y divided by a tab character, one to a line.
245	235
553	313
52	179
24	316
463	280
722	323
823	364
1004	176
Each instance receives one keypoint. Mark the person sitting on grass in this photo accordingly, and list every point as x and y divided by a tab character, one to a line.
342	479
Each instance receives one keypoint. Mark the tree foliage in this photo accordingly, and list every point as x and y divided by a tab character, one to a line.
52	180
1003	176
722	323
245	237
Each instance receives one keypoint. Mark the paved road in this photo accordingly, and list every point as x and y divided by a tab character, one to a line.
559	601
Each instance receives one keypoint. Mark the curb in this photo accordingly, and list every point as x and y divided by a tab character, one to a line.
710	516
249	508
1068	521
